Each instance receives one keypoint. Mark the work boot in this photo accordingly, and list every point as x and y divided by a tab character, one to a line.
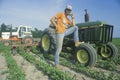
77	43
57	66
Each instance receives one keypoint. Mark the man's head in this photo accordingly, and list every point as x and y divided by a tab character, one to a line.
68	9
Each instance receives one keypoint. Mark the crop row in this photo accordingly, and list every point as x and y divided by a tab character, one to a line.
108	64
79	68
86	70
48	69
15	72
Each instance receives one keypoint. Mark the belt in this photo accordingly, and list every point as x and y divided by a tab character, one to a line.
52	27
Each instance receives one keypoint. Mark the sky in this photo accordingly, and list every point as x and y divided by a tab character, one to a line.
37	13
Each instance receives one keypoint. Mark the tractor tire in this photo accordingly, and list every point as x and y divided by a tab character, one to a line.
111	51
48	41
27	40
86	55
6	42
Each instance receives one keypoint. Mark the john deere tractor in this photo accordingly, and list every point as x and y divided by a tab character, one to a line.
97	37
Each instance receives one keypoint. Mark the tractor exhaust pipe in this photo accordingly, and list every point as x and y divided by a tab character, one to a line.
11	30
86	16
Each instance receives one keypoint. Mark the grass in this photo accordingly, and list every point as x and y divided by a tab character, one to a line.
116	41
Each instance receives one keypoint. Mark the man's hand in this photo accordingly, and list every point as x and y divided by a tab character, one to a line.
73	19
72	16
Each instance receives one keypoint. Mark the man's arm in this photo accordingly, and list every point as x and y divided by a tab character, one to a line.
73	19
53	21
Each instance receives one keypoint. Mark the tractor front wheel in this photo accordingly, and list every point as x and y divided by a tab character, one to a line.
86	55
108	51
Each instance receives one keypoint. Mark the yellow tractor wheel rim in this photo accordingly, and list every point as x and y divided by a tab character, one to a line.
82	56
106	53
46	42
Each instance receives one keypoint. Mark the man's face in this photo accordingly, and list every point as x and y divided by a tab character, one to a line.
68	11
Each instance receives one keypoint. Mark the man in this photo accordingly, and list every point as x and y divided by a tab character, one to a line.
61	22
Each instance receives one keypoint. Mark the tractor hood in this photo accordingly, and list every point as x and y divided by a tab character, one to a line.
90	24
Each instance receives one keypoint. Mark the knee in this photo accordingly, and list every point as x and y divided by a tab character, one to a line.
76	27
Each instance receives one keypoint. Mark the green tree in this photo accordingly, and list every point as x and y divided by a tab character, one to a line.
36	33
4	28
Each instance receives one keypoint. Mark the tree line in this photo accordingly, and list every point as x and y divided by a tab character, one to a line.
7	28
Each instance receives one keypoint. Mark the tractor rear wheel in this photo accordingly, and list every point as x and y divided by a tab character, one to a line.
110	51
45	42
27	40
48	40
6	42
86	55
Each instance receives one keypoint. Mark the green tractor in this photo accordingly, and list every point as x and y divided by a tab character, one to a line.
96	35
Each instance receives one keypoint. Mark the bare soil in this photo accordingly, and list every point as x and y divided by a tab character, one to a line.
3	68
31	72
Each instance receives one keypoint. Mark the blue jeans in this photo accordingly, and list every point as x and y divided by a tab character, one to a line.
59	41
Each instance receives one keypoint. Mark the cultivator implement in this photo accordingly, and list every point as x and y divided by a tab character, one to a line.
27	47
